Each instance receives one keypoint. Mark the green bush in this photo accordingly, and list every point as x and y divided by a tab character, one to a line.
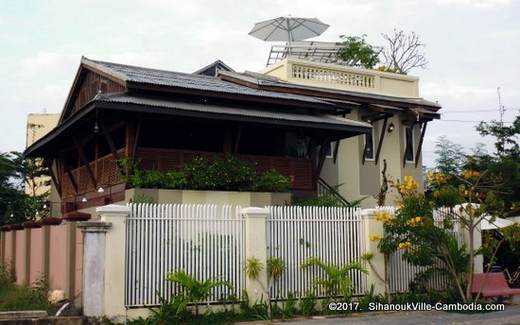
220	173
272	181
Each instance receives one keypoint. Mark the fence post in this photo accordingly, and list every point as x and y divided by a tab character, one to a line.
94	245
115	254
256	246
376	266
104	262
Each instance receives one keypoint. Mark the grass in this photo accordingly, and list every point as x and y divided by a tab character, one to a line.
15	297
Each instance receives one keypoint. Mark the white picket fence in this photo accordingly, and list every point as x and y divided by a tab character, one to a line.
206	241
334	235
402	273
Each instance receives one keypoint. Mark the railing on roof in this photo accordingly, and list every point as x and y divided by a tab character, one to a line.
323	52
331	76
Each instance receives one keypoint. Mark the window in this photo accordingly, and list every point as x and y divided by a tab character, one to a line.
369	145
329	150
408	142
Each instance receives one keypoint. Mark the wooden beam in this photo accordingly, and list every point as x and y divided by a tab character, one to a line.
57	184
137	135
237	140
419	147
321	159
69	174
406	145
84	161
336	149
110	142
364	150
381	138
228	140
129	138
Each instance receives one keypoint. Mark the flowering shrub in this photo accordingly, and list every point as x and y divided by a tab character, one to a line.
466	200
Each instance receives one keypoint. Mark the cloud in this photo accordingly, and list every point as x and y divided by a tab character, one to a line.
479	4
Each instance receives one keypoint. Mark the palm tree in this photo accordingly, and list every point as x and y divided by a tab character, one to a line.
336	281
195	290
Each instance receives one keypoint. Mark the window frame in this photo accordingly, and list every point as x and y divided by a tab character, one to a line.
406	144
373	146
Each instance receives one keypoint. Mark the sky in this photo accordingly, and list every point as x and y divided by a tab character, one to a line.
472	47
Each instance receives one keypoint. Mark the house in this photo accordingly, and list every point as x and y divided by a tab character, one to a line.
319	124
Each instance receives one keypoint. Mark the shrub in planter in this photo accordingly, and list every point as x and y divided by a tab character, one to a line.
272	181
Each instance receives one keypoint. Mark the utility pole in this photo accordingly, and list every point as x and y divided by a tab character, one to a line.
501	111
501	108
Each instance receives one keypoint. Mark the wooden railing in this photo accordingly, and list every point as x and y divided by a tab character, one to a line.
299	170
106	172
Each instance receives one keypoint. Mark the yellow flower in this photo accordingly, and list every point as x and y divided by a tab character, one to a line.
405	245
384	216
375	237
408	186
414	221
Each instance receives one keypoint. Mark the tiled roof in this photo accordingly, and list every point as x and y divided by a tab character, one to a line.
133	74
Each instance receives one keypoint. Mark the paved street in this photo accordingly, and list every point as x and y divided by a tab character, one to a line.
510	316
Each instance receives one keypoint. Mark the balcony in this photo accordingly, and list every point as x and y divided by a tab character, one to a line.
332	76
106	171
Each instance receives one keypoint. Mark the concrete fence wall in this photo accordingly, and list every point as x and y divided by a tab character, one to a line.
51	252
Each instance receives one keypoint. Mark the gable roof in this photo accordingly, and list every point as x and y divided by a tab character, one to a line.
214	68
134	77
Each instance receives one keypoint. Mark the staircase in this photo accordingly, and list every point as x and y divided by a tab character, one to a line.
324	189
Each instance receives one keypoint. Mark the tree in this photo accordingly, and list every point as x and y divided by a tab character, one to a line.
15	205
404	51
450	156
506	143
424	241
357	52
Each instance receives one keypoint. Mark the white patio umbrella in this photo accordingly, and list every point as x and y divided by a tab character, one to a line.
488	224
288	29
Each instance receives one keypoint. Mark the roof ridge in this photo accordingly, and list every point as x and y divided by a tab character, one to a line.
144	68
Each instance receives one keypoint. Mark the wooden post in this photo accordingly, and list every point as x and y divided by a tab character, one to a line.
381	138
419	146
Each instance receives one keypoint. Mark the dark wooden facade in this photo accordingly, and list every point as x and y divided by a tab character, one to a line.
93	133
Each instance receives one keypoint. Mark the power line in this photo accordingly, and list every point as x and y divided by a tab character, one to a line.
467	121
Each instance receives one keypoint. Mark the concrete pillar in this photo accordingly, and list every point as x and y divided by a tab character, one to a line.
70	260
94	246
376	268
115	254
256	246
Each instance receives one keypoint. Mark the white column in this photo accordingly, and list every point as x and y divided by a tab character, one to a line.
93	266
256	246
116	215
376	268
